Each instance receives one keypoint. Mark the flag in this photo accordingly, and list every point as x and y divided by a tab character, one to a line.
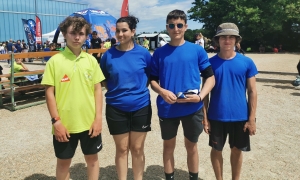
29	35
125	9
38	30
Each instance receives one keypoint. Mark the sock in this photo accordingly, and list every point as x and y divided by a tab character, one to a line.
170	176
193	176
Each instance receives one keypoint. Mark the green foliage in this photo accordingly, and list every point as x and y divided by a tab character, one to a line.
260	22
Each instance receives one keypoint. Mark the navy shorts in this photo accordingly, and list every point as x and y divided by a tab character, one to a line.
191	124
237	137
120	122
66	150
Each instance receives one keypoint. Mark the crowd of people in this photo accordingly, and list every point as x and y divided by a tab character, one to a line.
220	107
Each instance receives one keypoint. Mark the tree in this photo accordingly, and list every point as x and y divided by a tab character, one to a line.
256	19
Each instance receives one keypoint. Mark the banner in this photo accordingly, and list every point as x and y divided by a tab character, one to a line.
31	24
29	36
125	9
38	30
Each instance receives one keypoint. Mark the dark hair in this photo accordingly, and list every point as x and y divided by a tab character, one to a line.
176	14
216	40
113	41
94	32
77	22
130	20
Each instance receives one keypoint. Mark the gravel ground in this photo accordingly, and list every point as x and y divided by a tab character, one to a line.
26	150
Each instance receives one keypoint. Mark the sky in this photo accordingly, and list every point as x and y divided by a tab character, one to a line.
151	13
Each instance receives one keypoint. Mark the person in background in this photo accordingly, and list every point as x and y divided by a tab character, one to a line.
113	42
230	111
128	106
296	83
96	43
179	97
107	44
9	49
74	99
239	49
162	42
199	40
146	43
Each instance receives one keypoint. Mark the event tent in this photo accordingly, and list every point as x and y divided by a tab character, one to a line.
49	36
101	21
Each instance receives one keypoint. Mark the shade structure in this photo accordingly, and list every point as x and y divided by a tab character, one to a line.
102	22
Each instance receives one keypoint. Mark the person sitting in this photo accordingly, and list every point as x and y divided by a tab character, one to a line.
19	66
107	44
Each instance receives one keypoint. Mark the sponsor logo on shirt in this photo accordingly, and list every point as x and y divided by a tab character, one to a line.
65	79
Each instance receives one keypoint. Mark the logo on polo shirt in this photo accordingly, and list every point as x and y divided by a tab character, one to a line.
65	79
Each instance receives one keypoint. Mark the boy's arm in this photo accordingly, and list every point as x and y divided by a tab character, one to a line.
206	124
60	132
96	127
167	95
104	84
24	67
252	104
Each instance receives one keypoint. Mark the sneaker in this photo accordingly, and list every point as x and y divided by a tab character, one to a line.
296	82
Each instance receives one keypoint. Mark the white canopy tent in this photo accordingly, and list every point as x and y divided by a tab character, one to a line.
49	36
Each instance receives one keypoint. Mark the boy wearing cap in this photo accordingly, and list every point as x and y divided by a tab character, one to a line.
74	99
229	112
176	68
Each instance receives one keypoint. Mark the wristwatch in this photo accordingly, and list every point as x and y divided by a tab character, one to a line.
53	120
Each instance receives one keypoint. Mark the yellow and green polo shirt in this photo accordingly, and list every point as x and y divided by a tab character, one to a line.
74	79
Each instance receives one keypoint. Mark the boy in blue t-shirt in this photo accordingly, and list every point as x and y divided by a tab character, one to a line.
229	112
176	69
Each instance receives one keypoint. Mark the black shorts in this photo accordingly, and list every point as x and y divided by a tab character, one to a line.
120	122
66	150
191	124
237	137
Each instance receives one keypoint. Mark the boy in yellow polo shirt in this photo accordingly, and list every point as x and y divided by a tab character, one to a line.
74	99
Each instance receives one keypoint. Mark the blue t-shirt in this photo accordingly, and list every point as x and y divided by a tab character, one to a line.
46	58
126	74
178	69
228	102
9	46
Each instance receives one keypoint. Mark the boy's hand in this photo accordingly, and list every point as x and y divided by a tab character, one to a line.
194	98
96	128
168	96
60	132
206	126
251	126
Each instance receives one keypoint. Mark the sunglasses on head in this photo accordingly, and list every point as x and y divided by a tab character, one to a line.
172	26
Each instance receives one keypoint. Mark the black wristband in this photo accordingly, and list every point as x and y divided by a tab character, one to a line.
54	120
200	98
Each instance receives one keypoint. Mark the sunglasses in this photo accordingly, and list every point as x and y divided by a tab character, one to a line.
172	26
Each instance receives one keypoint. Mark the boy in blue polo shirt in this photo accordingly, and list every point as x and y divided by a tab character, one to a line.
176	69
230	112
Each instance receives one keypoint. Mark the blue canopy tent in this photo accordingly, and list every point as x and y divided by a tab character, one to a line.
101	21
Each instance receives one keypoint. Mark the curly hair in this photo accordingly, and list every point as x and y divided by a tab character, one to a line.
77	22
